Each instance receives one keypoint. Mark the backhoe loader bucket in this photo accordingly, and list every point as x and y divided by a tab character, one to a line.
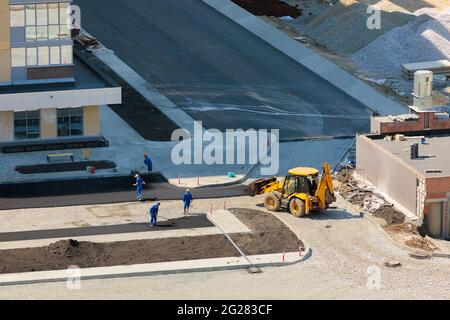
257	187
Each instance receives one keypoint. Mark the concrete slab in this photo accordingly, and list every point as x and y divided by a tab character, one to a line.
206	265
228	222
308	58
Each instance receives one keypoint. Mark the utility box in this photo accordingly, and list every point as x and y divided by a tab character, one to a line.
423	83
423	89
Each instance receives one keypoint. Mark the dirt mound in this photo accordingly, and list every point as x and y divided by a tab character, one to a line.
272	8
420	243
407	228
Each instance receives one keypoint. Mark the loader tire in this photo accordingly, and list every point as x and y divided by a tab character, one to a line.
272	202
297	208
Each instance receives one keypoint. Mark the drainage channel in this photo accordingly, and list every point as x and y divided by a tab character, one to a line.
252	269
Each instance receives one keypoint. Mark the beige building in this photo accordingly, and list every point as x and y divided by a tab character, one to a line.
49	99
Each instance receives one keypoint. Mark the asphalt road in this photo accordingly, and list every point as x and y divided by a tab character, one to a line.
198	221
100	191
218	72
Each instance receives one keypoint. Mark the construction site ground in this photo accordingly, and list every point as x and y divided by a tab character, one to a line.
110	235
346	249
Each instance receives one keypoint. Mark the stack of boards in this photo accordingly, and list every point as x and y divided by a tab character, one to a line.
441	67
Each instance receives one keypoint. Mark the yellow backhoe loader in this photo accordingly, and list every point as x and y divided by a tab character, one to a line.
302	192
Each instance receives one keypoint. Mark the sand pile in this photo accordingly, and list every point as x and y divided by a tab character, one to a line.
426	38
343	27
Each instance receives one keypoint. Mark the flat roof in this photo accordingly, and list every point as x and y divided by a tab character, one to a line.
85	78
433	155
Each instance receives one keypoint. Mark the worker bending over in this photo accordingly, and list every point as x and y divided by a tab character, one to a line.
154	214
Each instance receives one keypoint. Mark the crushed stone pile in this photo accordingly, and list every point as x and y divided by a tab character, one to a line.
342	28
424	39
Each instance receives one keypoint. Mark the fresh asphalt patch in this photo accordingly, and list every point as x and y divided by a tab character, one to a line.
100	190
197	221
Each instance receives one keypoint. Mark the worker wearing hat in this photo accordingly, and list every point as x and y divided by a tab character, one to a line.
139	186
187	201
154	209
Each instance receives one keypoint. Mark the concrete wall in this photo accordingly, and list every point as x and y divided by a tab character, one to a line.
6	126
387	172
91	121
5	42
48	124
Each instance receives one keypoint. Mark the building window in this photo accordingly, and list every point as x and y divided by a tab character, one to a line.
18	57
55	55
30	12
31	34
43	56
17	15
27	125
66	55
32	59
41	14
46	21
70	122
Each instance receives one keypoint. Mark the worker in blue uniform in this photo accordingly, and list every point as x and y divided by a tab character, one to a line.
139	187
154	214
148	162
187	201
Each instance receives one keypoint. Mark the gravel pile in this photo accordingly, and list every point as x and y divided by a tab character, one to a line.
343	27
424	39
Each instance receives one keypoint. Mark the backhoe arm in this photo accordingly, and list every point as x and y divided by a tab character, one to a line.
326	183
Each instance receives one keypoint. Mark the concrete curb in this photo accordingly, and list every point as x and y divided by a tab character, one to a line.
368	216
154	269
354	87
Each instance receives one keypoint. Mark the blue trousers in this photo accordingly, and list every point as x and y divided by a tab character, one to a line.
139	193
153	219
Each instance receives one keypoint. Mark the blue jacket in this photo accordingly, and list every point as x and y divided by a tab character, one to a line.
187	198
154	210
139	183
148	162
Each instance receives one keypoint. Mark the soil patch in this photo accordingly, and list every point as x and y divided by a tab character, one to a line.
269	235
62	254
272	8
135	110
65	167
